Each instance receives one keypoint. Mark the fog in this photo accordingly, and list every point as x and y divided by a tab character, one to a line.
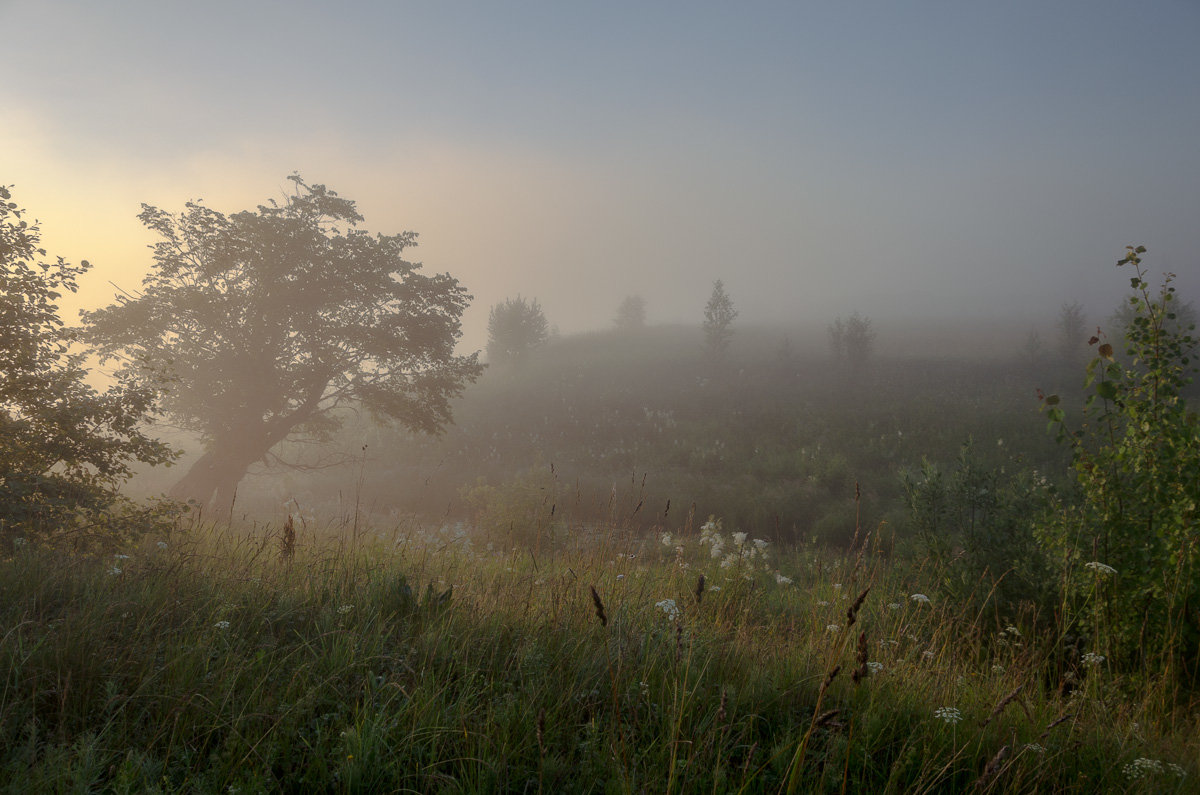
911	162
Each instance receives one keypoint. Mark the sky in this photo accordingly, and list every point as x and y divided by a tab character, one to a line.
914	161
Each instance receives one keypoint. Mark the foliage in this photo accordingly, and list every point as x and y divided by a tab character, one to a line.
520	511
64	446
1129	551
852	341
631	314
270	322
516	327
719	315
977	524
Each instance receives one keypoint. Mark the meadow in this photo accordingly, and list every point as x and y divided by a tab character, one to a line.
421	659
630	568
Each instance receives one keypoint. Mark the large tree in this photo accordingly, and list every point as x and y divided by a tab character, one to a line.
64	445
265	323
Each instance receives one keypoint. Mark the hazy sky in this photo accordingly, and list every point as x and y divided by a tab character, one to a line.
934	159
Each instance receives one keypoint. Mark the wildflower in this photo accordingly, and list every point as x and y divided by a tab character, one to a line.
666	539
760	545
1035	748
1100	568
928	655
1091	659
997	669
1142	767
119	556
222	625
875	667
894	605
115	570
837	586
714	587
620	576
782	580
162	544
739	539
950	715
669	607
1011	630
344	609
19	542
822	604
920	598
833	628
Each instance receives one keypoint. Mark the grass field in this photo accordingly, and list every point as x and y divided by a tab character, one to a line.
225	659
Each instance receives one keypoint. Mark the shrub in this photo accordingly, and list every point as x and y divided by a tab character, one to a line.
1128	549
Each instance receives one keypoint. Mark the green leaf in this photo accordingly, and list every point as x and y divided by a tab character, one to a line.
1107	390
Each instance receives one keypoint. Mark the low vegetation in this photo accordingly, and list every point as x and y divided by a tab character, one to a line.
419	660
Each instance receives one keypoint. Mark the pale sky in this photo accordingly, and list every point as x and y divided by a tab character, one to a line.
905	159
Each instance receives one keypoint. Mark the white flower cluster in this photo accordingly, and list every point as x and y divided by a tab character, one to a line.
1144	768
1100	568
739	551
920	598
950	715
1091	659
669	607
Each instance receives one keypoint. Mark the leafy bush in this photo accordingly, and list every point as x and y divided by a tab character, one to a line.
1128	550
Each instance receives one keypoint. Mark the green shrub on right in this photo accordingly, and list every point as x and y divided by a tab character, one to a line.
1128	550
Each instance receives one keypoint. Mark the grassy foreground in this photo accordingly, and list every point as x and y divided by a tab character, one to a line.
423	662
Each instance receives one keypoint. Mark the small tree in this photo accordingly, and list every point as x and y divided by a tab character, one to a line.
631	314
1072	332
64	446
719	315
1128	550
852	341
516	327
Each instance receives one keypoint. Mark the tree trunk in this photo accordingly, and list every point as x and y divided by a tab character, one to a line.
212	481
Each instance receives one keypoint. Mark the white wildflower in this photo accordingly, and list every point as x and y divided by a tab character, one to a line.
894	605
344	609
115	570
739	538
920	598
1142	767
714	587
620	576
1091	659
119	556
1035	748
760	545
669	607
928	655
875	667
782	580
997	669
1100	568
667	540
833	628
950	715
162	544
822	604
222	625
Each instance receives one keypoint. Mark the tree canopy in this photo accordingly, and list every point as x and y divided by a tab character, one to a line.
265	323
719	315
64	446
515	327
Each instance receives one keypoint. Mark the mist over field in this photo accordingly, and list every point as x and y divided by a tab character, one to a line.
544	397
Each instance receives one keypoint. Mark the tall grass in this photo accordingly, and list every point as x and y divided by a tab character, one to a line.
422	661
